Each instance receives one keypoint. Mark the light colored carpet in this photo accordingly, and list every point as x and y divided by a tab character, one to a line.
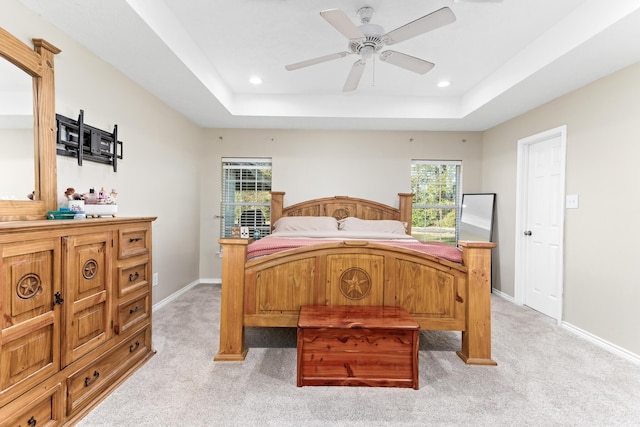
546	376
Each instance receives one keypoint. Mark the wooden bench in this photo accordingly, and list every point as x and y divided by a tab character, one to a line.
357	346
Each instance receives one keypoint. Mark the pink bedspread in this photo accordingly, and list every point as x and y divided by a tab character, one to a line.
272	245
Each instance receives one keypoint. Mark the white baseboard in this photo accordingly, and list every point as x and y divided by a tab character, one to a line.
181	291
503	295
610	347
209	281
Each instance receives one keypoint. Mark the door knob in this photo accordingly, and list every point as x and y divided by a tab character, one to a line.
528	233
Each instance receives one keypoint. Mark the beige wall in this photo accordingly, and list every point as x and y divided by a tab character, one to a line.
158	175
601	292
309	164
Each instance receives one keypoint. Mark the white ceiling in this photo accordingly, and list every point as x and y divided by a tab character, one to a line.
502	58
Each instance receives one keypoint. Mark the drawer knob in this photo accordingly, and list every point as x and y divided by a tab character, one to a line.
135	239
134	276
32	422
133	347
137	308
88	380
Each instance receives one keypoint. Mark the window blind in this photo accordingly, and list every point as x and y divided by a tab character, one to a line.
246	188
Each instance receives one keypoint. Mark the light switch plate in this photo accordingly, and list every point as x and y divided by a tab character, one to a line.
572	201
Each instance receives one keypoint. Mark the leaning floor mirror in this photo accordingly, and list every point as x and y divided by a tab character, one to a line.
476	217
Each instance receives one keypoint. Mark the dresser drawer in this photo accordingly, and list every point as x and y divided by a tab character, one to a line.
133	312
133	277
133	242
84	385
40	407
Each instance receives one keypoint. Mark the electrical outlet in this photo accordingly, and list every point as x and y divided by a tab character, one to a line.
155	279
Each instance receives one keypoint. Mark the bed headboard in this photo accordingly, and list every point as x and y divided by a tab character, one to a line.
343	206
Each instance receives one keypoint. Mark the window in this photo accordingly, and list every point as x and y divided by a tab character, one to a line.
436	206
246	187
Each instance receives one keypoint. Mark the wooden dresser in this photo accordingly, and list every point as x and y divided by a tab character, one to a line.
75	315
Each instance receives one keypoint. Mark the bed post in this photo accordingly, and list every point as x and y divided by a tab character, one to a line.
476	338
234	254
406	205
277	203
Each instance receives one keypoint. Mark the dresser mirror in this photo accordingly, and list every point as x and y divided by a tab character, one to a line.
17	178
40	173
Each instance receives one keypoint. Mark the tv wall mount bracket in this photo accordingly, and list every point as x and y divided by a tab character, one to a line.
77	139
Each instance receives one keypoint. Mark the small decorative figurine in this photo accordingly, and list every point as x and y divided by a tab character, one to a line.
70	193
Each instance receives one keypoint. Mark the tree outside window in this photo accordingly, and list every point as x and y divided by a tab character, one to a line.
436	186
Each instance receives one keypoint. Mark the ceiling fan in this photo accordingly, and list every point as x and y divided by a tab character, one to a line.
368	39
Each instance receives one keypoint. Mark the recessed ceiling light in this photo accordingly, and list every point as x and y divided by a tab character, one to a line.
444	83
255	80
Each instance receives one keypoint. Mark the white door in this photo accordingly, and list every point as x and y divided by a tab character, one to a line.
539	222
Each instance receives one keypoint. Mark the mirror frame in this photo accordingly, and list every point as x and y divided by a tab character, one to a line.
38	63
490	201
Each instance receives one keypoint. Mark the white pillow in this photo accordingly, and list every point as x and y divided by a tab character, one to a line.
306	223
373	225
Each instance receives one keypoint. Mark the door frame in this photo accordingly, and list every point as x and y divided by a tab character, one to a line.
521	209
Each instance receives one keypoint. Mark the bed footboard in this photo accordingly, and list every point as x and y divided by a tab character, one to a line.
439	294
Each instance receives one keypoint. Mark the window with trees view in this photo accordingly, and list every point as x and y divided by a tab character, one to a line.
436	186
246	187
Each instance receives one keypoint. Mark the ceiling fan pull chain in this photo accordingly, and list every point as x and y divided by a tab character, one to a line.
373	72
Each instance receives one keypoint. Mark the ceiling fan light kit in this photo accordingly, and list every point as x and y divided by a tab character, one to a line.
367	40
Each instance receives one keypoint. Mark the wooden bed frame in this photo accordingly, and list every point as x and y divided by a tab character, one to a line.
439	294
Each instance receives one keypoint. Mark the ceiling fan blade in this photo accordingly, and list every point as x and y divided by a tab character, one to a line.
432	21
315	61
342	23
354	75
407	62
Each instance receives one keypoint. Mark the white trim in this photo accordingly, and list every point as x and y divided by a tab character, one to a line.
181	291
502	295
521	181
246	160
610	347
606	345
436	162
173	296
